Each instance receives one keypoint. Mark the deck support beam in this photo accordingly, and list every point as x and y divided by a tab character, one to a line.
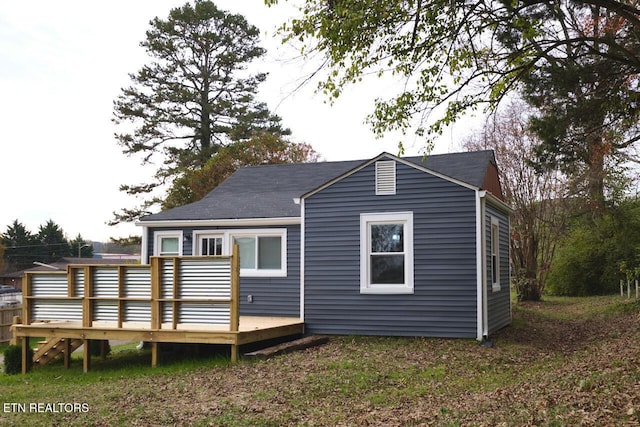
234	353
25	355
67	353
155	354
86	358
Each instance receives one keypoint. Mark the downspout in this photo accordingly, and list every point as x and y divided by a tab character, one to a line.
302	244
481	269
485	299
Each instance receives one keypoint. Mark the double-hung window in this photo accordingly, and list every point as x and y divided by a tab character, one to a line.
386	253
495	254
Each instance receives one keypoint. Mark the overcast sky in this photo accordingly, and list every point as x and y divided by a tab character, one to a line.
62	63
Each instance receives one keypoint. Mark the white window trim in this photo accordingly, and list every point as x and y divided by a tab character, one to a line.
227	243
199	234
406	218
495	286
159	235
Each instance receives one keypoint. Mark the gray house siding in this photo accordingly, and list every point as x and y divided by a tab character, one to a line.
272	296
444	300
498	303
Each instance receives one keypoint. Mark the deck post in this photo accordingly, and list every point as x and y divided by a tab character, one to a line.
155	354
103	349
156	279
67	353
87	309
15	340
234	321
26	299
86	355
25	355
177	285
121	294
234	353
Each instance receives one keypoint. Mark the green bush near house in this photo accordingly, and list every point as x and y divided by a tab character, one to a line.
588	260
13	359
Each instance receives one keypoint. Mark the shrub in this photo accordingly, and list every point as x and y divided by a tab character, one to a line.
588	261
13	359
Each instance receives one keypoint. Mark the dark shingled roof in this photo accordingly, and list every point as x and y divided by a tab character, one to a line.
268	191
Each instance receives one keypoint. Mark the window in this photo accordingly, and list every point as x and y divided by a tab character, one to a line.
495	254
168	243
386	253
262	252
209	244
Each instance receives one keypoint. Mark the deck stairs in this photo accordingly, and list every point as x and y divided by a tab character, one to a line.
52	349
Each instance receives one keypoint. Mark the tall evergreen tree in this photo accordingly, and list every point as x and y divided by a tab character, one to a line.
20	245
53	245
195	95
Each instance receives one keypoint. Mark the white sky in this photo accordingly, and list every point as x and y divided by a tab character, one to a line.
62	63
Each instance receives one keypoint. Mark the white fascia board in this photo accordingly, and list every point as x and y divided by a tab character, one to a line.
302	244
144	249
238	222
493	200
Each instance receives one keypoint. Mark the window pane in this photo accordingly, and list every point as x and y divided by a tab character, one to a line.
169	246
211	246
387	238
387	269
269	253
247	247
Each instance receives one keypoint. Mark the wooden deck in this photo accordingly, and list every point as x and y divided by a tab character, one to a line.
251	329
173	299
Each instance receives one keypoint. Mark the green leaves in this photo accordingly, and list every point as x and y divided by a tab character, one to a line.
452	56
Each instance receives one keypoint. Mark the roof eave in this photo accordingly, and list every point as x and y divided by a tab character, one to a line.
229	222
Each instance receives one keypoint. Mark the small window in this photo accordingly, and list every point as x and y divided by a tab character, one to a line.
262	253
168	243
210	245
385	178
495	254
386	253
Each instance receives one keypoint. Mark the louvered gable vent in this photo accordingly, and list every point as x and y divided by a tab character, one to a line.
385	178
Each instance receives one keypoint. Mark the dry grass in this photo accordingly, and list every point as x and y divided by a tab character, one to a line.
562	362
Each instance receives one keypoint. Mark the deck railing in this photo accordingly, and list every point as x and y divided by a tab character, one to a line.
169	293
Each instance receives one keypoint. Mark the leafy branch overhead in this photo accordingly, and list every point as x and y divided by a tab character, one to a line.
194	96
455	56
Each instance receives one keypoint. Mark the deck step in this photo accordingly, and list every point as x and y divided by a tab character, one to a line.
287	347
52	349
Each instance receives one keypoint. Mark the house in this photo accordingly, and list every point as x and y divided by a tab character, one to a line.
415	246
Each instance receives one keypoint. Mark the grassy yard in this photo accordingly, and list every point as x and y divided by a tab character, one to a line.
564	361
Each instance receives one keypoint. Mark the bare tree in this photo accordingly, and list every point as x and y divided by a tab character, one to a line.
537	198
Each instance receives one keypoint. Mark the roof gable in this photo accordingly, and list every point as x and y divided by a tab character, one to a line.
467	169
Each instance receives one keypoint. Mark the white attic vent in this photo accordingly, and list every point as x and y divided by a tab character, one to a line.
385	178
